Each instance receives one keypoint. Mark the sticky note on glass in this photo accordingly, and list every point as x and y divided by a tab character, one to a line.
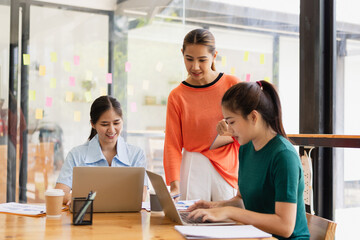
146	85
69	96
103	91
223	61
109	78
88	96
42	70
130	90
232	71
39	113
67	66
72	81
133	107
159	66
247	79
246	56
102	62
262	58
53	57
32	95
76	60
52	82
26	59
48	102
127	67
267	79
88	75
77	116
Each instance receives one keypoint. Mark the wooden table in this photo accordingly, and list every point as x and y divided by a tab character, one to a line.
142	225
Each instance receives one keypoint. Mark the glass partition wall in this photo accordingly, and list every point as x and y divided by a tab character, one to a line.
68	69
347	181
255	40
65	66
4	94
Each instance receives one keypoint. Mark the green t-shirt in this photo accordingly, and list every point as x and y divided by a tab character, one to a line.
273	174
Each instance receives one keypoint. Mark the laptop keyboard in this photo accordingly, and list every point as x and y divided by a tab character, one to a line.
184	215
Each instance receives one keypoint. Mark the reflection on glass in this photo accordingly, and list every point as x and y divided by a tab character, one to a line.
68	69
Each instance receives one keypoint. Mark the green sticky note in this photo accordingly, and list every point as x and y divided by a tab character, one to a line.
53	56
67	66
88	96
32	95
26	59
262	58
246	56
52	82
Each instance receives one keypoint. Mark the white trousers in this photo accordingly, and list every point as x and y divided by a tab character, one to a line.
200	180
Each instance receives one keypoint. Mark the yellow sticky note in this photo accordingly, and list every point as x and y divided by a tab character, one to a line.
267	79
88	75
88	96
102	62
52	82
103	91
39	113
69	96
26	59
67	66
42	70
77	116
232	71
223	61
246	56
32	95
262	58
53	56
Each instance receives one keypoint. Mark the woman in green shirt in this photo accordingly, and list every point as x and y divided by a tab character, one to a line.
271	179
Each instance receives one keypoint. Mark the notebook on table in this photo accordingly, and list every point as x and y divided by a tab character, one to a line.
118	189
169	207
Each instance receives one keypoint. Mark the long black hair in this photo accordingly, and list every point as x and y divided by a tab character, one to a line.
101	105
261	96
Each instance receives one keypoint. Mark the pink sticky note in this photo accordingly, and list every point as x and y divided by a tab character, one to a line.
133	107
127	67
48	101
76	60
247	77
109	78
72	81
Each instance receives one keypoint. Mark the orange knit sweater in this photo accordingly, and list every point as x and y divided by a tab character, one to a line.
191	119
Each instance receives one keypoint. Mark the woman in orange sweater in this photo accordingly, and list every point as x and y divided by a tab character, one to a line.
192	166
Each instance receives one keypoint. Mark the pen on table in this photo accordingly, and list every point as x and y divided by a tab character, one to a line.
176	196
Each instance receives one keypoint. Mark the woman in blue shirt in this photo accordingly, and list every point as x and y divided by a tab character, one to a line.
271	180
105	146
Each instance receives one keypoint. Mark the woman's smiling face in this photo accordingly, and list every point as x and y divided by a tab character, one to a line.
108	127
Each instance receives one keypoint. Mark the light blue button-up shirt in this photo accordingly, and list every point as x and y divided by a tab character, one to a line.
90	154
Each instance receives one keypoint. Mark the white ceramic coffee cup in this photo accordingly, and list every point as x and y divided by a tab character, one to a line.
54	201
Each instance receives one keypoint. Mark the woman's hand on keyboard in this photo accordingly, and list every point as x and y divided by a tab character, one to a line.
201	204
211	215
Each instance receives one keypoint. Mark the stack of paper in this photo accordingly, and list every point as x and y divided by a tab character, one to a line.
23	209
236	231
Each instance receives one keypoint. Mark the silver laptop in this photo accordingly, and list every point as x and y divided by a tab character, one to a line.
118	189
169	207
